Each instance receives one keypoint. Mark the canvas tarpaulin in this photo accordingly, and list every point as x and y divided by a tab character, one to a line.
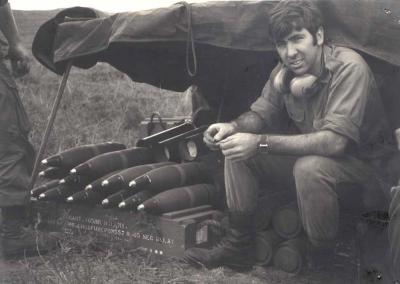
231	48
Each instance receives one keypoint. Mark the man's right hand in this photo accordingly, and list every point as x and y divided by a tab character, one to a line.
216	132
20	61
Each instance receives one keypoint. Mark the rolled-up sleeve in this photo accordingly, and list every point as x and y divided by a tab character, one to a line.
269	104
347	100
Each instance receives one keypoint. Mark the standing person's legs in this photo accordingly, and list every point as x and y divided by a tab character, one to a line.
16	162
14	199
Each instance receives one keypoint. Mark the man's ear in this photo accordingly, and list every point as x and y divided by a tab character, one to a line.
320	35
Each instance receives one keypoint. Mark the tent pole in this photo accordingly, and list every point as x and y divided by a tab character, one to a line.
50	123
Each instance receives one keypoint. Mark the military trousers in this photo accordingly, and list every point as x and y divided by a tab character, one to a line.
319	184
16	152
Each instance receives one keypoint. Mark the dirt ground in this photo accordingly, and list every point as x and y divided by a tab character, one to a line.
113	267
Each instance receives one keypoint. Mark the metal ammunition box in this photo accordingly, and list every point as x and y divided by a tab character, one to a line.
167	235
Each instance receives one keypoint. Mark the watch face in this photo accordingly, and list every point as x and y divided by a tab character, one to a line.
263	145
263	148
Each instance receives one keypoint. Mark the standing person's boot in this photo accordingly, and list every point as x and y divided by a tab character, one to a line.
18	239
236	250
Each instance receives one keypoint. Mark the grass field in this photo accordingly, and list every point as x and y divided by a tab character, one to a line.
99	105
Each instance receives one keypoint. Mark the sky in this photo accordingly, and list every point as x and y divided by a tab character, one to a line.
103	5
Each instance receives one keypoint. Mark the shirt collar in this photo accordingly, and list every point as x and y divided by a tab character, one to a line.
326	72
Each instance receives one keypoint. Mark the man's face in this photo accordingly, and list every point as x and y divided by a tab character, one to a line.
300	53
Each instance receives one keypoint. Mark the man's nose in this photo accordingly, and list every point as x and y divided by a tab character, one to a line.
291	50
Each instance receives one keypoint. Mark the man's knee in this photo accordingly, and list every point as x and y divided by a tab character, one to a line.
310	169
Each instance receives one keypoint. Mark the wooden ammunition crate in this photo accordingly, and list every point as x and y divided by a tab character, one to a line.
169	235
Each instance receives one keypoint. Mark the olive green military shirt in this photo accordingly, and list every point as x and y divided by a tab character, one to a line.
348	103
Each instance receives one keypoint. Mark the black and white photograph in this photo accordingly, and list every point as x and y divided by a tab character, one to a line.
146	141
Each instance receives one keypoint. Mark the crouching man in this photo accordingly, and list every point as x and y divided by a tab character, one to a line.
329	94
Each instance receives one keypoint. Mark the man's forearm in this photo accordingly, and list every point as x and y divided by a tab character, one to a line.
249	122
8	26
323	143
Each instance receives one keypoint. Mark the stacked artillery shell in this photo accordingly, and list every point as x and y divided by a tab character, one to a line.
54	173
171	176
87	196
114	199
97	184
290	256
181	198
120	182
266	245
58	193
132	202
117	160
76	180
44	187
92	193
77	155
286	221
122	178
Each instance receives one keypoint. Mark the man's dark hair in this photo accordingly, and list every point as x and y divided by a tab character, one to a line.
290	15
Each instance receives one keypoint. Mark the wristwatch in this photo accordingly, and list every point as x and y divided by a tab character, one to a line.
263	145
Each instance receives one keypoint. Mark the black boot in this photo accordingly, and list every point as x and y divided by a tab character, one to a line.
236	250
19	239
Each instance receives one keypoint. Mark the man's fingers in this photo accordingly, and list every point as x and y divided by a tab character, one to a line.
210	144
228	144
227	139
229	152
207	136
220	136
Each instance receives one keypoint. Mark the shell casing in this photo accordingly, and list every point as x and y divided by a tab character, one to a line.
132	202
122	178
116	198
54	173
77	155
89	196
172	176
112	161
96	185
290	255
266	244
181	198
59	193
286	221
78	180
44	187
